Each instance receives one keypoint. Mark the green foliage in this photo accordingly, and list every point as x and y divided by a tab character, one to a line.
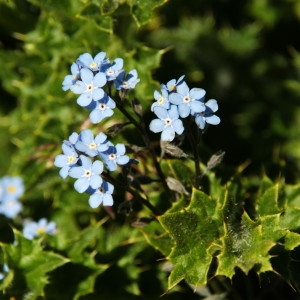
214	236
236	224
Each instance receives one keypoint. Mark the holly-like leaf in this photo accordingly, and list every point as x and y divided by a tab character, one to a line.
34	262
194	230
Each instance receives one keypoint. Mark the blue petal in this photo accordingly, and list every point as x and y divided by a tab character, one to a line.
212	104
86	136
197	93
107	200
122	160
161	112
97	167
120	148
200	121
175	98
184	110
76	172
60	160
99	79
95	200
81	185
64	172
214	120
86	76
98	94
84	99
168	134
78	88
95	181
178	126
156	125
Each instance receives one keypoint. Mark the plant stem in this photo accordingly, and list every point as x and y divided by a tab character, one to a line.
141	128
194	142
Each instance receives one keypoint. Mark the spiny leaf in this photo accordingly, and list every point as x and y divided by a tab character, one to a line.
35	262
193	230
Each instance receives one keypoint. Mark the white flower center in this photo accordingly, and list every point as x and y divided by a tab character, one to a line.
112	156
89	87
92	145
161	100
168	122
93	65
110	72
186	99
102	106
71	159
87	173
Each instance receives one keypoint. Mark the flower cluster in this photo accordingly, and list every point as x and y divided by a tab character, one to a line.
177	101
86	157
11	189
79	161
89	76
33	229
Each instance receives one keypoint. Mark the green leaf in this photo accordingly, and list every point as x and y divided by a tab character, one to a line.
193	230
158	238
33	261
245	247
268	202
142	10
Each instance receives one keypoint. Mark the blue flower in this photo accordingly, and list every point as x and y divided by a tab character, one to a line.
188	101
89	87
34	229
70	80
86	60
10	207
127	82
114	156
208	116
168	123
102	195
114	69
172	85
90	145
11	188
162	99
66	160
87	174
103	109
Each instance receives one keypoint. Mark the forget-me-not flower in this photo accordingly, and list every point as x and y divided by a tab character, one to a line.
87	174
113	69
103	109
188	101
172	84
70	80
102	195
126	82
11	187
66	160
89	87
91	145
168	123
34	229
10	207
208	116
86	60
114	156
162	99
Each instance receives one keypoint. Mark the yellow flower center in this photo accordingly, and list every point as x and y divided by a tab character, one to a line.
71	159
11	189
